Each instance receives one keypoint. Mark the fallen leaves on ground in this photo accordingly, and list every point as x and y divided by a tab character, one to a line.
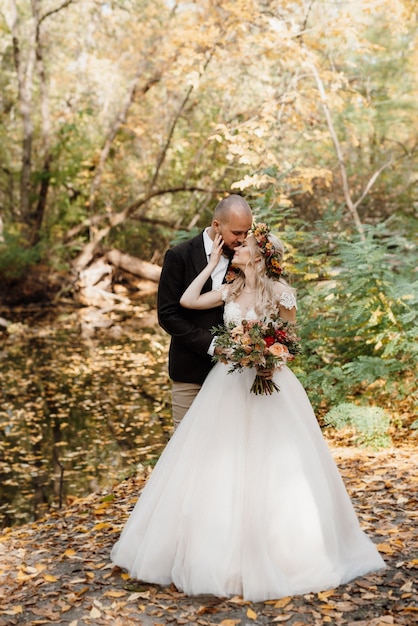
57	570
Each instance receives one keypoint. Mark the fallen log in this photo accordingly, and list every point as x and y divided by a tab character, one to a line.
135	266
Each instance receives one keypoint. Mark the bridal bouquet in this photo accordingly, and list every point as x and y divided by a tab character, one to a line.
262	344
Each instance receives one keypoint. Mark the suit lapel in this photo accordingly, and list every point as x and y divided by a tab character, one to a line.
199	259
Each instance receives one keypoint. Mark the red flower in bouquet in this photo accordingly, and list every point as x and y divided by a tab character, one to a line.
261	344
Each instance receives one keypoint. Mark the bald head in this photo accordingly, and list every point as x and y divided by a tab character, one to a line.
232	219
233	203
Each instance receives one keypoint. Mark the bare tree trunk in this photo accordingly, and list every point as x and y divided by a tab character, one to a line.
118	122
39	211
98	235
351	205
28	58
88	252
24	70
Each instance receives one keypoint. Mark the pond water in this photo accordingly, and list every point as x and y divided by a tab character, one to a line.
84	399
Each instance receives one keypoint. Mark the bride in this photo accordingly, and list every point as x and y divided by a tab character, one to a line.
246	498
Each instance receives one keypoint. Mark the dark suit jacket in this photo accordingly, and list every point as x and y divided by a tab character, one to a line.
188	359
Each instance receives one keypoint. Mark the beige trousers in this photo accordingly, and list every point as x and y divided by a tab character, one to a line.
182	396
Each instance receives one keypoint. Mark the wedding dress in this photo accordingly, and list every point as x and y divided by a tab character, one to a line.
246	498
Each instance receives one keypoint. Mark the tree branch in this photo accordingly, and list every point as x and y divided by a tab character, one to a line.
118	122
176	118
372	181
346	188
114	219
56	10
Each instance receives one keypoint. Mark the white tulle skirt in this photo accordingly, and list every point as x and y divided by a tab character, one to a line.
246	500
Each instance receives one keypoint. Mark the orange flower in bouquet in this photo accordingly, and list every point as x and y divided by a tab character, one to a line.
261	344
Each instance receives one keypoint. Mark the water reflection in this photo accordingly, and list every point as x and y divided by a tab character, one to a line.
77	413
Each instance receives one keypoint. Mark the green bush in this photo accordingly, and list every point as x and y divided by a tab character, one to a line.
359	325
15	258
370	423
357	305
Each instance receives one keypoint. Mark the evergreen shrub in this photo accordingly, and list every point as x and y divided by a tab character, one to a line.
370	423
359	324
16	258
357	310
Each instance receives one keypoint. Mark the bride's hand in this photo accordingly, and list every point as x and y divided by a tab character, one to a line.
216	253
266	372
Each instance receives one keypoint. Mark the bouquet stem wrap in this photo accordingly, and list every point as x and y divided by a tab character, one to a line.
263	386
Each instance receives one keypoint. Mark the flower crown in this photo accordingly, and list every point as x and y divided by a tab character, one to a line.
272	258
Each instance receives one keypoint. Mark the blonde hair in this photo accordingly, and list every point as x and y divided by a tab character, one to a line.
266	298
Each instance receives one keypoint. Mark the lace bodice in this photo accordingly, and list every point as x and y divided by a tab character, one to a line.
233	313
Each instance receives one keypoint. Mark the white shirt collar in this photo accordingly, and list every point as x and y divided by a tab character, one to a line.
207	242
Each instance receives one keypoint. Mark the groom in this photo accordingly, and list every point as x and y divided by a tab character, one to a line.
191	347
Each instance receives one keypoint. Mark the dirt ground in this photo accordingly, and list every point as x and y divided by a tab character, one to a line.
57	570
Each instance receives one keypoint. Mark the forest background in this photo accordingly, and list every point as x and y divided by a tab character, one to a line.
123	123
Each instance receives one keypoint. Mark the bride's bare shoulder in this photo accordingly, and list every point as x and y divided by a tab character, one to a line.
282	287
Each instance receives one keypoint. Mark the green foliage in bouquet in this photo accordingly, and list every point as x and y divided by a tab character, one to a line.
261	344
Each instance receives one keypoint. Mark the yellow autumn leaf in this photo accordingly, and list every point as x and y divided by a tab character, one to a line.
310	276
95	613
22	577
229	622
101	507
251	614
280	604
385	548
407	587
115	593
238	600
70	552
324	595
100	526
14	611
50	579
